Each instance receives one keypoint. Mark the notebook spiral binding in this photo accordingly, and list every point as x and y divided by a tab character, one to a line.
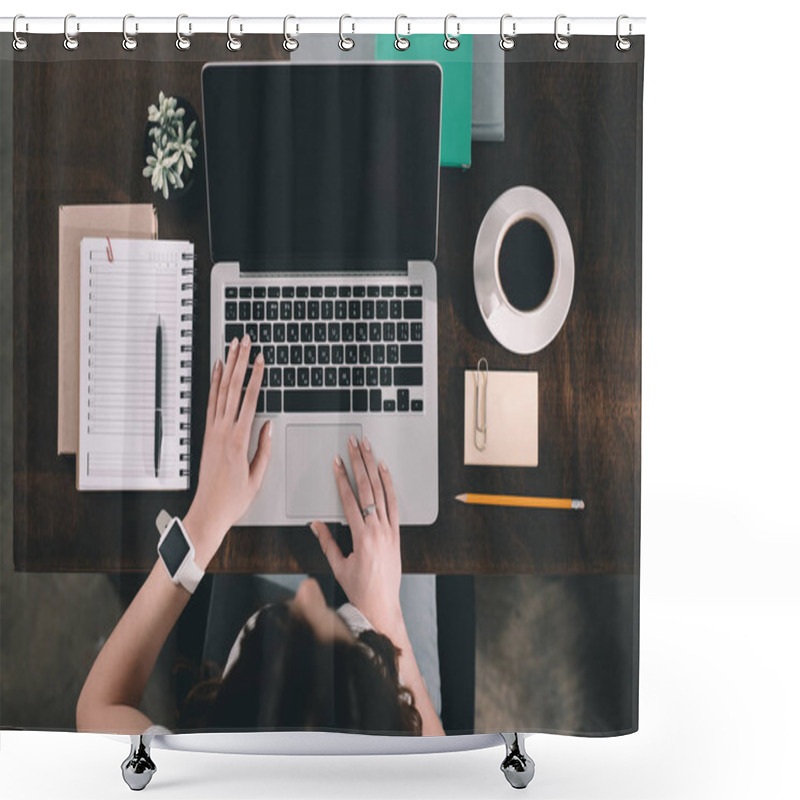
186	332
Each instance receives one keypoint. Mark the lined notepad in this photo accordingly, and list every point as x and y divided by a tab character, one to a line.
125	288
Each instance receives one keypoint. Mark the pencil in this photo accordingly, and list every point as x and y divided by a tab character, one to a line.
516	500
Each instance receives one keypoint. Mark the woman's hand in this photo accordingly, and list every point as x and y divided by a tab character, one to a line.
228	482
370	575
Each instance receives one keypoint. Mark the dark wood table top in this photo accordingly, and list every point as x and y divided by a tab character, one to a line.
573	129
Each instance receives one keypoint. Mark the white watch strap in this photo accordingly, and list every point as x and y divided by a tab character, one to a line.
163	520
190	574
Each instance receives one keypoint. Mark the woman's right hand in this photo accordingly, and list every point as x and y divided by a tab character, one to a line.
228	480
370	575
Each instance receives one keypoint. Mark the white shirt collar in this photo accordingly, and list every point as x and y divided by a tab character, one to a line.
353	618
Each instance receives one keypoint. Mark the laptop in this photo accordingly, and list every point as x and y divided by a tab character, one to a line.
323	192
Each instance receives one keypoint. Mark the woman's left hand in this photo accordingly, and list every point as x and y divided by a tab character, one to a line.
370	575
228	481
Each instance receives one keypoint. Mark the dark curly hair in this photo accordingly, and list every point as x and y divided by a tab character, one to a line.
287	679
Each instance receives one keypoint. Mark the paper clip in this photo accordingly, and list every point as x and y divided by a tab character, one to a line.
481	384
109	251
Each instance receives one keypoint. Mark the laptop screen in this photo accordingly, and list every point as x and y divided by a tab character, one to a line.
322	166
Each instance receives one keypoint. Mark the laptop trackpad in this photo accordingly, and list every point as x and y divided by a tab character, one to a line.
311	491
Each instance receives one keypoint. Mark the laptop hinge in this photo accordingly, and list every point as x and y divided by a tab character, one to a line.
261	270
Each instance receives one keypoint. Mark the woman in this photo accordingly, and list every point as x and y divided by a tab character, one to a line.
297	665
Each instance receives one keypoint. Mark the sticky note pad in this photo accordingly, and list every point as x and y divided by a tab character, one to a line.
512	419
456	150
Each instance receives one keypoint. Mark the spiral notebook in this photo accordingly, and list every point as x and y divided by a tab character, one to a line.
127	287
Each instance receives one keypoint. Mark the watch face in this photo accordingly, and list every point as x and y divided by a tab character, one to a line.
173	549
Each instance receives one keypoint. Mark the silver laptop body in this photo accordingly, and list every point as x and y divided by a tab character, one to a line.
399	378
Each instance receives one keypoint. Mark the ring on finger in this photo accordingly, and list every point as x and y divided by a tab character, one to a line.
370	509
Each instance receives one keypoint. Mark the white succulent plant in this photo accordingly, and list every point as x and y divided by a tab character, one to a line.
173	145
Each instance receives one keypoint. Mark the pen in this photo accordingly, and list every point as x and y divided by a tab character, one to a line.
158	422
516	500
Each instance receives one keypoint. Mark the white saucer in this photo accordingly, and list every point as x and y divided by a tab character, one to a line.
523	331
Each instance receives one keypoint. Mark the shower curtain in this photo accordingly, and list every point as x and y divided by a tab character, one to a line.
218	264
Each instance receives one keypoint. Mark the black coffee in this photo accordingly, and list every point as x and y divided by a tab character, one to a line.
526	264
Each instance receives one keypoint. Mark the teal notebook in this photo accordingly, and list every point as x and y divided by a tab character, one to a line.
456	88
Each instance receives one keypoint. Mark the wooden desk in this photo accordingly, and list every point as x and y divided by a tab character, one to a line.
573	130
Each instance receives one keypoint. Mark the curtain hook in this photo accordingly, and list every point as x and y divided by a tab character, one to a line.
401	42
19	42
623	43
234	43
345	42
451	42
129	42
561	42
70	42
289	42
507	42
182	43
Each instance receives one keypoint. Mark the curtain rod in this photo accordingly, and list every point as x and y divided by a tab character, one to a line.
598	26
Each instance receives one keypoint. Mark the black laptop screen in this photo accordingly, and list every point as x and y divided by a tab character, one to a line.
320	166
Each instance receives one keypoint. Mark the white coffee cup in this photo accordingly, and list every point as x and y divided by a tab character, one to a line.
523	331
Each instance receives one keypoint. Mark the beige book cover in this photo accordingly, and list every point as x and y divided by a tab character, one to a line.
117	220
511	421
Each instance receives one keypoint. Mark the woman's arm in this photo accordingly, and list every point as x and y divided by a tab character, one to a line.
411	677
226	486
370	575
116	682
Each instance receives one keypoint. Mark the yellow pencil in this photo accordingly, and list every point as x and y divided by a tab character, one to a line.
516	500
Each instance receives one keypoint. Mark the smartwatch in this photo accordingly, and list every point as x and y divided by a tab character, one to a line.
177	552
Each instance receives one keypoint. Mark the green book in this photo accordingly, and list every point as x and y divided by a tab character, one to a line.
456	88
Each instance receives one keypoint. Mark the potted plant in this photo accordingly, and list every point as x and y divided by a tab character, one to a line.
171	146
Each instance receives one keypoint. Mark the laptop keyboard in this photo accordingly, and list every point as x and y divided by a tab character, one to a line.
330	348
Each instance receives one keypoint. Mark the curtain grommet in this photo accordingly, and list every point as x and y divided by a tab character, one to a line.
70	41
561	43
507	42
234	43
401	43
290	44
18	42
623	44
181	41
346	43
129	42
451	43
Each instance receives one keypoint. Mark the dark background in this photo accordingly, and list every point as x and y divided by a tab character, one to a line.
573	130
